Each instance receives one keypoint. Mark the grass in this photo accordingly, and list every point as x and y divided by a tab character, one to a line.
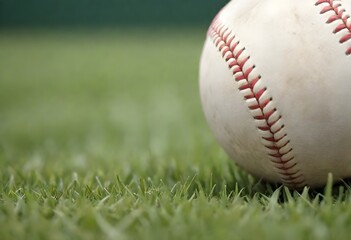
102	137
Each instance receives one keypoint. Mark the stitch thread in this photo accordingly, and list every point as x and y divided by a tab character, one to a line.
267	118
339	14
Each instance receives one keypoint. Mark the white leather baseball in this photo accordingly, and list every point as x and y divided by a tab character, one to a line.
275	85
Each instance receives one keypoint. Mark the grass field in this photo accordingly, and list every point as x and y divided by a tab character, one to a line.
102	137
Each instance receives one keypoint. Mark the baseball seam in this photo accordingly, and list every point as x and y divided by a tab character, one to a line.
268	120
339	17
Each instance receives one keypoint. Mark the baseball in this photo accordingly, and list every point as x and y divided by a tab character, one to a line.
275	86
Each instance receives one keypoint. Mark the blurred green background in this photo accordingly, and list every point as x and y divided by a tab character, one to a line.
130	61
102	13
107	86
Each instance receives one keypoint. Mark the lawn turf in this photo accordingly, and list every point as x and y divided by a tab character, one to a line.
102	137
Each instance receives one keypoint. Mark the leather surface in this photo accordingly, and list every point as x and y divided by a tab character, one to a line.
307	73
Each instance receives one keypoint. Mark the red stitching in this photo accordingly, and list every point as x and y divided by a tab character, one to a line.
267	117
339	14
